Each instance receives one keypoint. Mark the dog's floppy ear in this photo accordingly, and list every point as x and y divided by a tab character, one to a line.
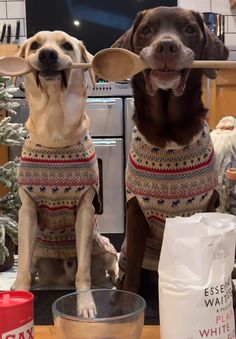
21	52
125	41
88	58
213	47
214	50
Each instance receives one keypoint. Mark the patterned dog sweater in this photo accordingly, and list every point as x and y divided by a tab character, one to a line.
56	179
175	181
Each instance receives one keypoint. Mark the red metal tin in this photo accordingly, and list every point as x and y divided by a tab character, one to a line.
16	315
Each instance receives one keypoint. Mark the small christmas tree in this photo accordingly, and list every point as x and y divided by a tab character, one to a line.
11	134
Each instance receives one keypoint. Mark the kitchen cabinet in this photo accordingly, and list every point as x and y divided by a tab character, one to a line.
3	158
219	96
9	49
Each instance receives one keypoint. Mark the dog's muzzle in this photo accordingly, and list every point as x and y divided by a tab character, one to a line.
48	57
167	54
168	59
49	66
48	62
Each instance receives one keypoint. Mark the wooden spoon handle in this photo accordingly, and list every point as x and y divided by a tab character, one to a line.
213	64
81	65
14	69
195	64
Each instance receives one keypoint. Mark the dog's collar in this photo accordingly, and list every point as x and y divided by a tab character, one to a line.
172	145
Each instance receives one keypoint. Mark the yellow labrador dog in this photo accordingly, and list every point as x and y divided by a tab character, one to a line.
58	175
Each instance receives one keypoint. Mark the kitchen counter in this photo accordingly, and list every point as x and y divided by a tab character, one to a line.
48	332
44	298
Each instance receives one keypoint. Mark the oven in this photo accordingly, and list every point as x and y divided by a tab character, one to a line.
107	131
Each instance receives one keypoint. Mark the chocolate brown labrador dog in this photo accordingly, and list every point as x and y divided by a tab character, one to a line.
171	165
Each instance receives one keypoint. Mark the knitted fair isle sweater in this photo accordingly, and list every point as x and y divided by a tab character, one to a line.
175	181
56	179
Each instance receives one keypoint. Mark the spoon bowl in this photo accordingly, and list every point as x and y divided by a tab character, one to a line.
116	64
14	66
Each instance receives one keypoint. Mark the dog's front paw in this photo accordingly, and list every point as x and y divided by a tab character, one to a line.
17	286
86	307
21	284
119	284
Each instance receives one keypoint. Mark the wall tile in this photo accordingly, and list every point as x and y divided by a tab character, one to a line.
231	23
15	9
199	5
3	12
222	7
230	40
25	28
232	55
22	39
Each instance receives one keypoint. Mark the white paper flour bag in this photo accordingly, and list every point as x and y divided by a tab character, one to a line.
195	288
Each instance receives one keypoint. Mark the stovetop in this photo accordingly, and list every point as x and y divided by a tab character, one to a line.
110	89
102	88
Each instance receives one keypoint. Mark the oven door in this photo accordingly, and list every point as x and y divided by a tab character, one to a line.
106	117
110	154
129	123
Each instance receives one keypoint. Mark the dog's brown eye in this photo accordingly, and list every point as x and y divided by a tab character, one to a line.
190	29
67	46
146	30
34	45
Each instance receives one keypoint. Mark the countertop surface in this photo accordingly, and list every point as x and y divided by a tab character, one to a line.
48	332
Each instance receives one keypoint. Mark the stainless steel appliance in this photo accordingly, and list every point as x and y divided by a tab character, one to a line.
129	123
106	128
216	23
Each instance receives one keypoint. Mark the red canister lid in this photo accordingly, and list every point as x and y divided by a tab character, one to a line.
15	298
16	314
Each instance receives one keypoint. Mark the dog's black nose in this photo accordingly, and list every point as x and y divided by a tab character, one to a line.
167	46
48	56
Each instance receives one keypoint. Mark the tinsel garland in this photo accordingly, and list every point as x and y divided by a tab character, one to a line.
11	134
7	226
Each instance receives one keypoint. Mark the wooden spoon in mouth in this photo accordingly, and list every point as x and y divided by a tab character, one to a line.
17	66
116	64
